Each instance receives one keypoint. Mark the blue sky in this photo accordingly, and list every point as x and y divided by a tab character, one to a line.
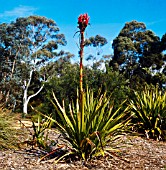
107	17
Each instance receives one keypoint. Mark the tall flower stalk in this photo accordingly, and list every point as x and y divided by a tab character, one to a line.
83	21
90	123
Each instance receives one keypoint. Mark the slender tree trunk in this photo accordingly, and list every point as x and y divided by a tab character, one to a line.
25	103
27	98
11	76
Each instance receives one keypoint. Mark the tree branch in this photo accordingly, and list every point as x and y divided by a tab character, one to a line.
35	93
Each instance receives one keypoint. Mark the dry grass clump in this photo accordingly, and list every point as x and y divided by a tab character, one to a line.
8	135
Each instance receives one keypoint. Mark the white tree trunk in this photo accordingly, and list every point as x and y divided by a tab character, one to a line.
25	97
25	107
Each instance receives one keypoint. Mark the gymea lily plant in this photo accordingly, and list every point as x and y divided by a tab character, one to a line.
88	132
149	110
90	124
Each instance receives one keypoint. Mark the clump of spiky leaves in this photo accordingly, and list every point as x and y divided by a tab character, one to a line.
40	132
8	138
87	131
149	108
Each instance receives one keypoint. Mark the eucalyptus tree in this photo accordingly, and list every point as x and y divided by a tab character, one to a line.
135	49
28	44
163	43
97	42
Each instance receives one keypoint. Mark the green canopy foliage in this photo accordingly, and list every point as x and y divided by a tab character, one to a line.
26	45
137	49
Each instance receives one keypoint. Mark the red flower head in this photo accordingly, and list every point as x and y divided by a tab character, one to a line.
83	21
